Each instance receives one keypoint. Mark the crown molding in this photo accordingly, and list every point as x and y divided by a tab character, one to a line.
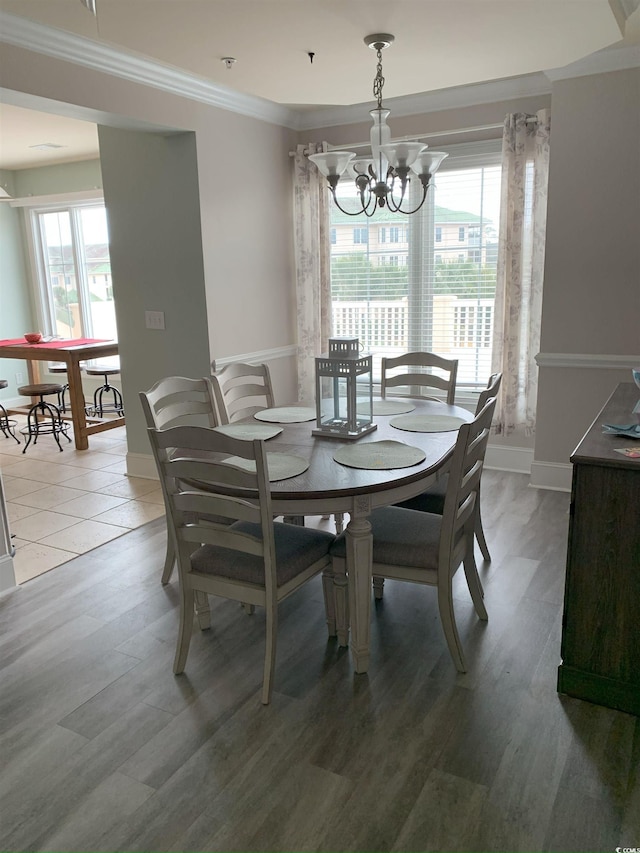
528	85
610	59
79	50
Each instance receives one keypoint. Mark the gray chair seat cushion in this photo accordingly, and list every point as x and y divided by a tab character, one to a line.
401	536
431	501
296	549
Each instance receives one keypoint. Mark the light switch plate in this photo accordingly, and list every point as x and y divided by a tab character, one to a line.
154	319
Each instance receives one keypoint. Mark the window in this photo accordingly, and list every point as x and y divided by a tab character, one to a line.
71	245
333	236
415	298
361	235
461	234
383	235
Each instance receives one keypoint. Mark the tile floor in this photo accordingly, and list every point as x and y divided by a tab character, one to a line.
64	504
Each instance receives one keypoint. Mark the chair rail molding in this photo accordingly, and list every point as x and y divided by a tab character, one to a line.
257	356
590	360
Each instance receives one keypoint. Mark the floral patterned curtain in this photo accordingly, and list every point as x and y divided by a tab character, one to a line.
518	304
312	257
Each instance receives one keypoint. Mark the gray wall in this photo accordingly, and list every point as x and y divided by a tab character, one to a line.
63	178
592	270
155	244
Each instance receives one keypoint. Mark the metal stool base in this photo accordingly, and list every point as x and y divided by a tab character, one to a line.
8	425
99	408
52	424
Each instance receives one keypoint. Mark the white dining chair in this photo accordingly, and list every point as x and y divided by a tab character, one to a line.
248	558
177	401
241	390
424	548
434	498
420	375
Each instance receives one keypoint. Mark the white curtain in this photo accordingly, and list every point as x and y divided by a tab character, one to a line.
312	257
518	304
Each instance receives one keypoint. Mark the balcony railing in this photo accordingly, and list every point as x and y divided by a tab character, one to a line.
460	328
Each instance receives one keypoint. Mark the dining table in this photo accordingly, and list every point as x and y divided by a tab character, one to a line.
71	352
327	486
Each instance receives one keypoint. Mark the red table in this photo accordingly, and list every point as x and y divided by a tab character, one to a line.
71	352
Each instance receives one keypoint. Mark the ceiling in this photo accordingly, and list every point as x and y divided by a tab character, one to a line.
438	44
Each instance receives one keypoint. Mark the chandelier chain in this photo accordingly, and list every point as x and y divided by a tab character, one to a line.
378	81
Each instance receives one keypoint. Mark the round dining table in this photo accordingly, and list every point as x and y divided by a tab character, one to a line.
329	487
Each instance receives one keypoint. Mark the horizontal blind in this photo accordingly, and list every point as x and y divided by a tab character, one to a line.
425	281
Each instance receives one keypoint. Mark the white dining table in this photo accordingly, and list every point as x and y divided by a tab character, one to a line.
328	487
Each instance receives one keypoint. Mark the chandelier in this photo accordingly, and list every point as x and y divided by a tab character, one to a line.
381	180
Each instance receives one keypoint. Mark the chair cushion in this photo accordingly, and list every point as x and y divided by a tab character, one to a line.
402	537
431	501
296	549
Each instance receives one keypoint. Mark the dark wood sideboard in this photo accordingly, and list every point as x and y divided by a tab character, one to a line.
601	621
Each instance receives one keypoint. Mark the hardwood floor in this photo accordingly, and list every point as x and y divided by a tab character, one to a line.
103	748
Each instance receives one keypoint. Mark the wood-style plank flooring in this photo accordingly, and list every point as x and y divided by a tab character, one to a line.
103	748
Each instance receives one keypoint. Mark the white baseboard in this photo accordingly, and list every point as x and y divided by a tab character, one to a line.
141	465
551	475
503	458
7	575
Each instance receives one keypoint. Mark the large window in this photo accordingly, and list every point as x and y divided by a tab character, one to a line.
415	298
71	246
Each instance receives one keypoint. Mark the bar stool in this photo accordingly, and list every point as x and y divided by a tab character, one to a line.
7	425
100	408
61	368
51	422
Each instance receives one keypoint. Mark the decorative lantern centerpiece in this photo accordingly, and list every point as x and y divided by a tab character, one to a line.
344	393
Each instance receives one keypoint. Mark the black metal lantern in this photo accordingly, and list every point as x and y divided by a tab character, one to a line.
344	391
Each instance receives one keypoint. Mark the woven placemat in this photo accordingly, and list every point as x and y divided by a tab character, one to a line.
287	415
387	407
427	423
249	432
281	466
379	455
